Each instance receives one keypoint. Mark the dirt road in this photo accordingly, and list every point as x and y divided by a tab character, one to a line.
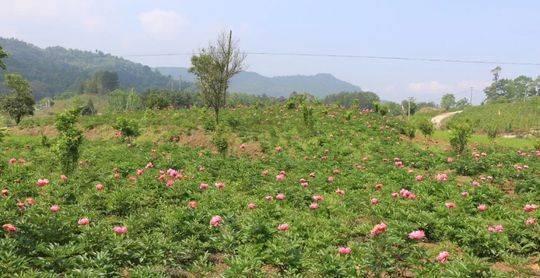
437	120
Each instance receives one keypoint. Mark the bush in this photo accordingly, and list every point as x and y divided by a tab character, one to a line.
129	128
69	140
220	142
492	132
425	126
459	136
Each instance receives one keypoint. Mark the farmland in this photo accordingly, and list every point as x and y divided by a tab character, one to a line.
270	191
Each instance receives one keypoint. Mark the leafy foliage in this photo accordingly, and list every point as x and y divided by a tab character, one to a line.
20	101
69	140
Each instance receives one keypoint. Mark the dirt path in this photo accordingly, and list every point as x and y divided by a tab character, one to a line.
437	120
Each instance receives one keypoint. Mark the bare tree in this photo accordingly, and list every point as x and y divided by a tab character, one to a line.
214	67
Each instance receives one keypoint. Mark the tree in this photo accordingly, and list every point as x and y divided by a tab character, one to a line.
3	55
409	107
214	67
448	101
460	104
67	146
20	102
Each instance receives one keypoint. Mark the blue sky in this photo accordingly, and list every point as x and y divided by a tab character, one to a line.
479	30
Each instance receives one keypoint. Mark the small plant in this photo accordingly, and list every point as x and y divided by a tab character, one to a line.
127	127
220	142
307	114
209	125
492	132
426	127
67	147
459	136
233	122
3	133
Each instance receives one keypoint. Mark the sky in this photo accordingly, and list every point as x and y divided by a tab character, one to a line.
469	30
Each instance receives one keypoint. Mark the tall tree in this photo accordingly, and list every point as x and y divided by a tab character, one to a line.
448	101
214	67
20	101
3	55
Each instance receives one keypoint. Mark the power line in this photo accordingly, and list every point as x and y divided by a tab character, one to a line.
398	58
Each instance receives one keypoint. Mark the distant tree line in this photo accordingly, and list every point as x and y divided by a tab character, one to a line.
505	89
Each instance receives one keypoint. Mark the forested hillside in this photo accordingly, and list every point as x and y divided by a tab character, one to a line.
56	69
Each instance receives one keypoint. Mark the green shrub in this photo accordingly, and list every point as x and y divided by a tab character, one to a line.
459	136
128	127
425	126
69	140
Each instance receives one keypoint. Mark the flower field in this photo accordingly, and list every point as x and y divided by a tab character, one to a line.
341	194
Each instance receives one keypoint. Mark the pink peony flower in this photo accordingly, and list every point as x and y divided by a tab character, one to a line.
280	177
530	207
378	229
374	201
268	198
378	186
450	205
100	187
193	204
64	178
278	149
417	235
252	206
475	183
12	161
442	177
495	228
170	183
330	179
243	146
55	208
314	206
42	182
419	178
140	172
83	221
280	197
449	159
394	194
30	201
5	193
203	186
120	230
482	207
407	194
317	198
464	194
216	221
443	257
219	185
530	221
340	192
149	165
10	228
344	250
283	227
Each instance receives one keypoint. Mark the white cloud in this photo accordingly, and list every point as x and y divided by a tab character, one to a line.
429	86
93	23
162	24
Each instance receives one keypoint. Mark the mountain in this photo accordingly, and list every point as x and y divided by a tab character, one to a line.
320	85
54	70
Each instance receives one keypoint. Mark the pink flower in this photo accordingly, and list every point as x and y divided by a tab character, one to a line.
419	178
55	208
203	186
10	228
330	179
530	221
268	198
442	177
407	194
64	178
42	182
193	204
13	161
219	185
312	174
280	177
314	206
30	201
449	159
378	229
140	172
100	187
495	228
5	192
280	197
344	250
120	230
374	201
482	207
475	183
530	207
216	221
417	235
283	227
450	205
465	194
399	164
170	183
149	165
443	257
340	192
378	186
317	198
83	221
394	194
252	206
278	149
